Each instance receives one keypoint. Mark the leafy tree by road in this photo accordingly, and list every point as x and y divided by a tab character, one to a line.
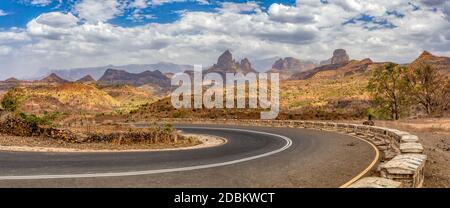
388	86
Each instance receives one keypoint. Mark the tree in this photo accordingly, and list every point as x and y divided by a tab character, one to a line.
429	88
388	85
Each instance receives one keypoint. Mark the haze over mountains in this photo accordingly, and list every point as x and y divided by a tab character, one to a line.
97	72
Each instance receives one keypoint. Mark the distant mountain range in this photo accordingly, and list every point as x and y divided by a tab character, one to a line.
158	75
121	77
97	72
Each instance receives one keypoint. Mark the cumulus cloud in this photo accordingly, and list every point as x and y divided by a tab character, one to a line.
308	30
282	13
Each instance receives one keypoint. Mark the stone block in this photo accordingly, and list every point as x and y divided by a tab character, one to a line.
405	168
411	148
409	139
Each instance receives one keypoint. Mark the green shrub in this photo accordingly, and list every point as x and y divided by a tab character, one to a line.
10	101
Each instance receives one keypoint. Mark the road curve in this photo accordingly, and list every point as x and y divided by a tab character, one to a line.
252	157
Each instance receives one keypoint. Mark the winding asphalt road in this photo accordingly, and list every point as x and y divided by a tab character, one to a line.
252	157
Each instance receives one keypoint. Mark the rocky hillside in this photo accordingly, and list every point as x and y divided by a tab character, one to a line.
121	77
78	97
9	83
69	97
340	66
86	80
333	71
129	97
441	63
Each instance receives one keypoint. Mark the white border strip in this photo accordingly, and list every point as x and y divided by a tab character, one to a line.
149	172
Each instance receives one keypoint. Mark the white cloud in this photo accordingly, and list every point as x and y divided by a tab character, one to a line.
250	6
282	13
310	30
57	19
94	10
39	2
161	2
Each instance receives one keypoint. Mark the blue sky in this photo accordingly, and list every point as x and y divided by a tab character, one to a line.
20	12
59	34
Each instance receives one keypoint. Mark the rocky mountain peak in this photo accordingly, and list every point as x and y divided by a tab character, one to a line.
340	56
246	65
227	64
425	54
225	60
53	78
288	63
12	80
86	79
440	62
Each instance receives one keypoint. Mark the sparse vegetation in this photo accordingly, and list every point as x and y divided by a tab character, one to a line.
11	102
429	88
387	86
397	90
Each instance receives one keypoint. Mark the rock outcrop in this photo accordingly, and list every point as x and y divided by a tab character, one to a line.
339	56
288	66
227	64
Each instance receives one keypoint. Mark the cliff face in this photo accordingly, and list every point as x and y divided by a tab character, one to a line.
339	56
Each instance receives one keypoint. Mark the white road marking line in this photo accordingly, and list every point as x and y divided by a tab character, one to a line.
149	172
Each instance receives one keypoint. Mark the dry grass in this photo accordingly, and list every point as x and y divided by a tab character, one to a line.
320	91
6	140
81	98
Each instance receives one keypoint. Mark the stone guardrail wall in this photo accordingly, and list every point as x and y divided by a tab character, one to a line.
402	161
